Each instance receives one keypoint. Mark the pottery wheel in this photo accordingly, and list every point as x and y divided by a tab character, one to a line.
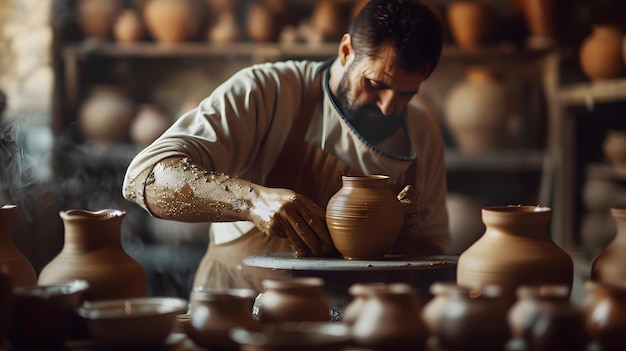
287	261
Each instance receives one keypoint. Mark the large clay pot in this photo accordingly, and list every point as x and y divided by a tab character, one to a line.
614	148
93	252
172	21
604	306
472	23
364	217
477	111
390	319
294	299
515	250
12	261
106	115
215	311
545	319
129	27
609	265
600	53
473	319
96	17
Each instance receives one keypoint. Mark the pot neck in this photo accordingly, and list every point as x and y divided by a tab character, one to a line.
90	231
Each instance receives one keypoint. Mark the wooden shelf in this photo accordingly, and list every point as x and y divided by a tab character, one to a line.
506	160
588	94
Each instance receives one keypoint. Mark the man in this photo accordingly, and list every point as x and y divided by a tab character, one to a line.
262	155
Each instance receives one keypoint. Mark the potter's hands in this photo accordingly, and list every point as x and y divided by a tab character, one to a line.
290	215
410	225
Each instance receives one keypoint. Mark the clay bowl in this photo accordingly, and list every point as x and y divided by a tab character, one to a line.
289	336
43	314
136	323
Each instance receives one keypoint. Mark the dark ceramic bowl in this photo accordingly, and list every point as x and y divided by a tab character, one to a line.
289	336
43	314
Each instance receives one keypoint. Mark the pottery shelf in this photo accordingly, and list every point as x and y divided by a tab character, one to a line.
510	160
591	93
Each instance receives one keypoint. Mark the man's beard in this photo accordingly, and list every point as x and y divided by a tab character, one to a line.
368	120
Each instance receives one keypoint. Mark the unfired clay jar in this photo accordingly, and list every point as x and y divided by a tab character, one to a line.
215	311
600	53
93	252
364	217
390	319
477	110
105	116
609	265
614	148
129	27
515	250
605	311
472	23
293	299
473	319
96	17
149	123
172	21
12	261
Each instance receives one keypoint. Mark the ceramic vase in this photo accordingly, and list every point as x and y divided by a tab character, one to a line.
149	123
364	217
545	319
609	265
542	20
129	27
12	260
614	149
389	319
93	252
96	17
604	307
172	21
105	116
472	22
215	311
473	319
515	250
600	53
477	111
293	299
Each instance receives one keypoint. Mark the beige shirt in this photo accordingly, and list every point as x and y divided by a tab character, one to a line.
241	127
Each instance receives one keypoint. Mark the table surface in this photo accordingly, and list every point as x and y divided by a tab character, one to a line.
286	261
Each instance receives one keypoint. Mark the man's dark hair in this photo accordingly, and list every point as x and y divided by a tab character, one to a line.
412	29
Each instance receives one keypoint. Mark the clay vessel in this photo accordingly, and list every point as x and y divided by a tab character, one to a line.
359	292
600	53
473	319
93	252
293	299
215	311
105	116
609	265
477	111
604	307
96	17
543	20
472	23
614	148
172	21
431	313
515	250
225	29
328	20
12	261
149	123
390	319
364	217
129	27
261	24
545	319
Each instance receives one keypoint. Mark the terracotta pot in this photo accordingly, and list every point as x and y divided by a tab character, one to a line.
214	312
293	299
12	260
93	252
542	18
172	21
262	24
473	319
328	20
96	17
515	250
129	27
614	148
604	306
546	320
359	292
225	29
472	23
149	123
364	217
477	111
105	116
600	53
609	265
389	318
